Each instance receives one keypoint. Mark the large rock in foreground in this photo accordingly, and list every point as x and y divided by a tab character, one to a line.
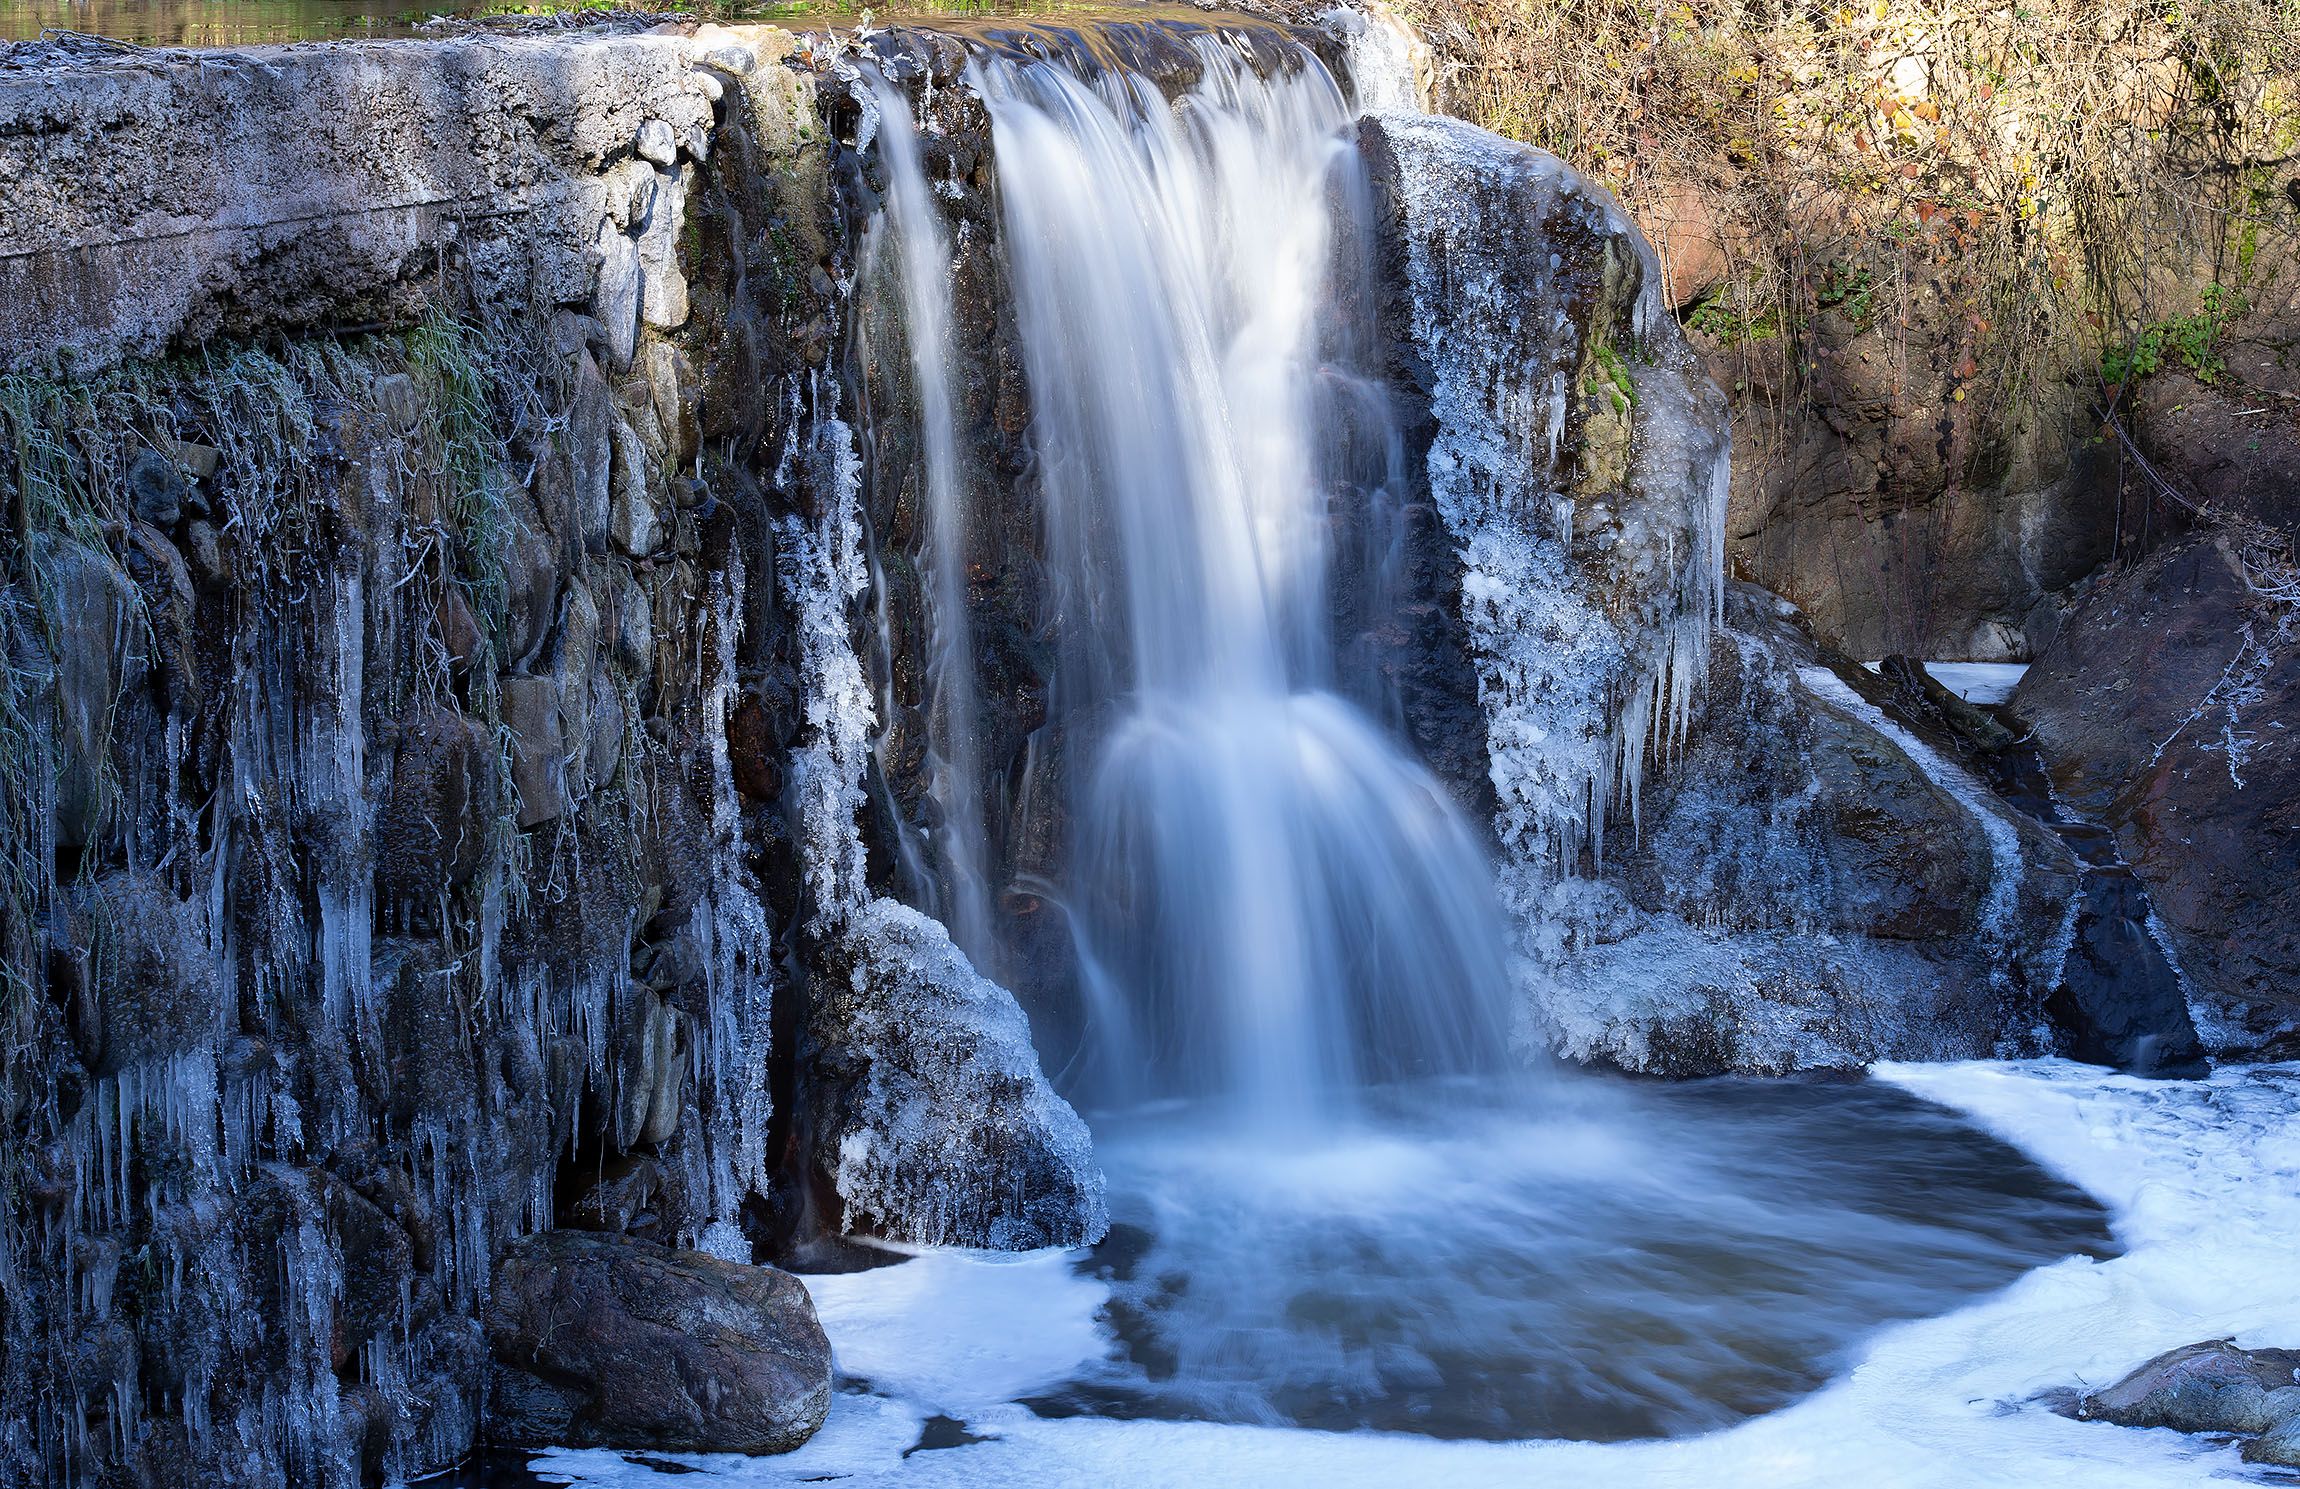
603	1341
2212	1387
2168	709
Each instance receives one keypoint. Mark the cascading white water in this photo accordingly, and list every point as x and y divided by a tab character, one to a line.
1274	901
923	253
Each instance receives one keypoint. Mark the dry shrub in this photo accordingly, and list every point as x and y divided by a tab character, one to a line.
2032	185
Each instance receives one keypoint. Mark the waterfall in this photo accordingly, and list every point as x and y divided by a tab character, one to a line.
1273	901
923	255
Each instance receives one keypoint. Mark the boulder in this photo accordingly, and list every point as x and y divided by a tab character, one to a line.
157	490
932	1119
2280	1444
635	520
2168	710
605	1341
1814	885
2208	1387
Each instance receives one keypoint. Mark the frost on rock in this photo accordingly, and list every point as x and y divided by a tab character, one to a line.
938	1127
931	1115
1579	461
1815	888
1389	63
823	571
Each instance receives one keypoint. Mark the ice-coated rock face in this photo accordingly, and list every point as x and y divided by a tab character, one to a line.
379	880
1578	458
933	1119
1814	886
1718	856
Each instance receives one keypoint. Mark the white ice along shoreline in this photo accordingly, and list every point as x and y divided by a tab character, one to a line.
2202	1180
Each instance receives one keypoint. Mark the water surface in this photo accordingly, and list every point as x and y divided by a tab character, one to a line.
1568	1257
239	23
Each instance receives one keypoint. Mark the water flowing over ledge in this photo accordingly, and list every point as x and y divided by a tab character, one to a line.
650	676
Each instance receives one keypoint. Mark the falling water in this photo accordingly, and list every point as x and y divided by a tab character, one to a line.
956	761
1274	902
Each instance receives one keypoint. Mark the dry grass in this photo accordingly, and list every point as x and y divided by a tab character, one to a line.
2037	184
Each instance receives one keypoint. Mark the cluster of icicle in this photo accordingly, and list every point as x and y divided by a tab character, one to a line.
258	1058
1588	645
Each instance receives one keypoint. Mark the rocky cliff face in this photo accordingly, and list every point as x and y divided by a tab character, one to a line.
2164	712
404	629
1721	855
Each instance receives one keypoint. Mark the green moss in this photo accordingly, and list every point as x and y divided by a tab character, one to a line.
1613	373
1725	314
2191	341
1851	290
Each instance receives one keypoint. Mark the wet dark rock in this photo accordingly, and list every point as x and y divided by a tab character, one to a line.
92	607
2168	711
1805	894
607	1341
154	992
621	1194
378	1266
538	747
590	454
156	489
437	813
650	1068
2280	1444
531	588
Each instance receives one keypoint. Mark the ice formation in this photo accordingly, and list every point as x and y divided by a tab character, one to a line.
930	1113
335	1035
1580	463
941	1131
1388	62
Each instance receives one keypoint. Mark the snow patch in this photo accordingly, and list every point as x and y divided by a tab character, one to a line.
1986	684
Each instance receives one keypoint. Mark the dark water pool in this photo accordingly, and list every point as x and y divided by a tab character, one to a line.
1580	1258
